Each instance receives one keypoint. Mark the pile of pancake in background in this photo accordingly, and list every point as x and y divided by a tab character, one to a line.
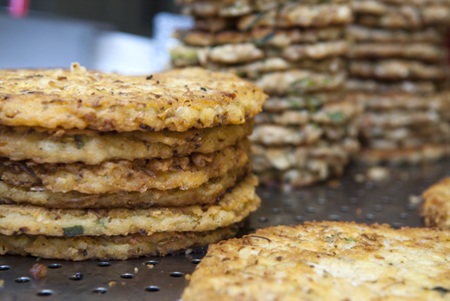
398	71
106	166
293	50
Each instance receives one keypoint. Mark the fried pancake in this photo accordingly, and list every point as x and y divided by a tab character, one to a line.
426	153
409	87
405	102
255	69
326	261
299	15
316	51
266	158
400	118
110	247
416	51
332	113
429	35
177	100
435	208
407	17
417	2
92	147
182	55
414	142
277	135
244	53
233	207
425	9
397	69
236	8
312	102
125	176
207	193
297	82
433	133
279	38
316	171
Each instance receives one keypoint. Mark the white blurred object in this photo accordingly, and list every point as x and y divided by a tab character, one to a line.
131	54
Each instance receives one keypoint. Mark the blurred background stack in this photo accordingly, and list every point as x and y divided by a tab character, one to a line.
295	51
398	71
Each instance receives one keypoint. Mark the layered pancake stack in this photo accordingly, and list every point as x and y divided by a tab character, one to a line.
399	72
294	51
97	165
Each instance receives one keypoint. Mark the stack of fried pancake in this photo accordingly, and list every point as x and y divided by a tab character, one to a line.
97	165
399	72
294	51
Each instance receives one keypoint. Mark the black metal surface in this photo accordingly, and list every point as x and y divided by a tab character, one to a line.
387	201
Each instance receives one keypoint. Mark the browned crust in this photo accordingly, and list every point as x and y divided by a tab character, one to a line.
92	147
185	172
326	261
177	100
206	194
107	248
435	208
232	208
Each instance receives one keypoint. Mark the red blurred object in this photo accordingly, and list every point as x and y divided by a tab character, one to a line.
18	8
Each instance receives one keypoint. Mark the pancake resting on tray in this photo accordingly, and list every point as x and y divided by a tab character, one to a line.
326	261
97	165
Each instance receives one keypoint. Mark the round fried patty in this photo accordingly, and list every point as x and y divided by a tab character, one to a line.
416	51
33	220
92	147
435	208
110	247
185	172
425	153
326	261
177	100
397	69
208	193
359	33
279	38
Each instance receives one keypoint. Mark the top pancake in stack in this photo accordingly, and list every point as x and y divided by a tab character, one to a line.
398	57
158	162
294	51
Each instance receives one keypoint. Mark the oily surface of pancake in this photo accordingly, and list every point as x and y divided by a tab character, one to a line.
185	172
313	102
207	193
91	147
177	100
326	261
436	205
79	248
232	208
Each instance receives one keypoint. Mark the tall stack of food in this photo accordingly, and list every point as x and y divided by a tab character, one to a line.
293	50
97	165
398	69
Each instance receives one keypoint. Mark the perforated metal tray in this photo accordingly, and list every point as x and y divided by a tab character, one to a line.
390	201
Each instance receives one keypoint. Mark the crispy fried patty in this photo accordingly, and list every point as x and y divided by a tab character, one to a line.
177	100
435	208
326	261
185	172
33	220
110	247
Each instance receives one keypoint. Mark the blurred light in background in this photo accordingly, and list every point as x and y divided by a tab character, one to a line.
127	36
